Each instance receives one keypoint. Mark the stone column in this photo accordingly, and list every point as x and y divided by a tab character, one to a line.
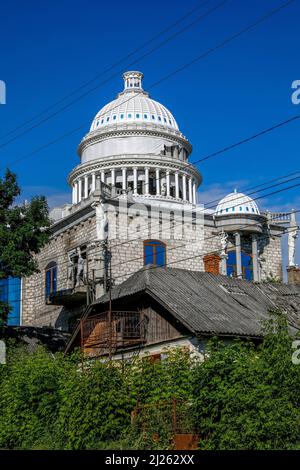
256	274
194	193
190	191
102	176
86	187
184	187
146	181
238	255
113	177
135	180
74	188
124	179
79	190
157	182
177	185
93	182
168	182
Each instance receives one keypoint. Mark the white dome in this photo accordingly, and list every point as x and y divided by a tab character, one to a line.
236	203
133	105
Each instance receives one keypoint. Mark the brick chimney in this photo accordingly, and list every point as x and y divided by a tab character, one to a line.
293	273
212	263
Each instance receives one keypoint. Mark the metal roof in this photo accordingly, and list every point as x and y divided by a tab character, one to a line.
213	304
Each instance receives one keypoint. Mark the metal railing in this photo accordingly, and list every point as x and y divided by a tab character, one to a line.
112	330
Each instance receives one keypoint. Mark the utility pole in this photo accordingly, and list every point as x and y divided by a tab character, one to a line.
88	298
108	257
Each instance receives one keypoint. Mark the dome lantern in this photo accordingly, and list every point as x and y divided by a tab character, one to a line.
133	81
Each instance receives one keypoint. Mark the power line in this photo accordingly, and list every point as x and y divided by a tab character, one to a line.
237	198
116	73
192	210
285	231
188	64
214	236
133	52
208	238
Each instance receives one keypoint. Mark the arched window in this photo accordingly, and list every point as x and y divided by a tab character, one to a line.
247	265
154	253
50	279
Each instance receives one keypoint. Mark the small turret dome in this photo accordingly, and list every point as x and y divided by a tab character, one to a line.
236	203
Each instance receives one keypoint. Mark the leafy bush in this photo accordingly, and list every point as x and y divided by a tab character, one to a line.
243	396
247	397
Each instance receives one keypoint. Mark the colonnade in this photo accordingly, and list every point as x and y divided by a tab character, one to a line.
142	181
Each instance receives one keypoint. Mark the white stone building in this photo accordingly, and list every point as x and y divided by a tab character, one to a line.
135	202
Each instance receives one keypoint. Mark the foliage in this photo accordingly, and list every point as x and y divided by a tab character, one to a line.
243	396
247	397
24	230
29	399
94	406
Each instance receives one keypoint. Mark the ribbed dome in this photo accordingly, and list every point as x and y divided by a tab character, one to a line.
236	203
133	105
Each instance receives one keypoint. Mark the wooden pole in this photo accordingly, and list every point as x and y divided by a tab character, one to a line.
110	307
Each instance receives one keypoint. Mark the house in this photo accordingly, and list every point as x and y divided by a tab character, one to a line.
163	307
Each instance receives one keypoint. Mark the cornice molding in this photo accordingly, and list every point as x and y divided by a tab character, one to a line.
94	137
135	161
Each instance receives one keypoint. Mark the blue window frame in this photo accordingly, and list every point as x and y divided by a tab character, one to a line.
154	253
247	265
50	279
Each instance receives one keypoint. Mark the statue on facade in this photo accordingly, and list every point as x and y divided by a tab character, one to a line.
292	236
223	236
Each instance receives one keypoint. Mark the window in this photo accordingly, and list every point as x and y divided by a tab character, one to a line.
145	116
137	116
129	115
121	116
50	279
107	119
154	253
247	265
153	117
159	118
115	117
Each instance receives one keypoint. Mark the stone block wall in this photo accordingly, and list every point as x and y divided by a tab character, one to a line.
186	245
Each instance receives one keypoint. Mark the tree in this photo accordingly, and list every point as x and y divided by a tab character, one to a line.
246	397
24	230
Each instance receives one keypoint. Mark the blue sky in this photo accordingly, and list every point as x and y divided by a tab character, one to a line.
48	49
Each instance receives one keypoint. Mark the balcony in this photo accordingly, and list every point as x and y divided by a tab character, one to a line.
76	295
106	332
